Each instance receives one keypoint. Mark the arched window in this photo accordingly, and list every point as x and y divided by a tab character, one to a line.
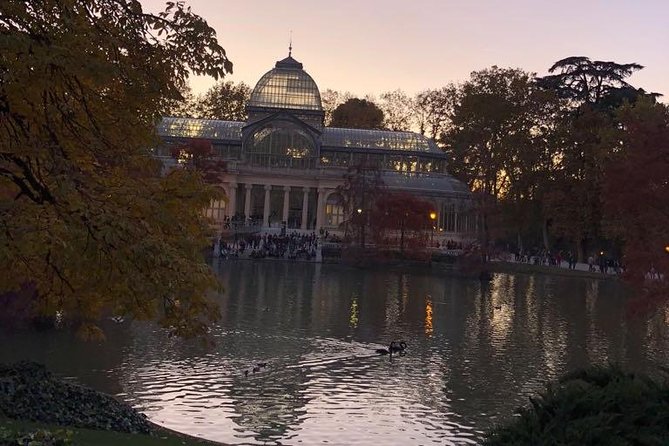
334	210
216	211
282	144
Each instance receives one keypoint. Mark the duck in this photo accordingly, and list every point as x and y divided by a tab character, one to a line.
383	351
256	369
262	364
397	346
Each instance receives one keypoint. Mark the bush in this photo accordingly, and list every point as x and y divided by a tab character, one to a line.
595	406
39	437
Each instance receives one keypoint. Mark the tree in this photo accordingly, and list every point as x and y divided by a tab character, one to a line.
331	99
592	82
199	155
398	111
87	219
225	101
585	141
497	143
432	110
362	188
635	195
358	114
403	213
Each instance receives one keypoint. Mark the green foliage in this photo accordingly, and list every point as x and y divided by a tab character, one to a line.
595	406
38	437
358	114
86	216
225	100
498	141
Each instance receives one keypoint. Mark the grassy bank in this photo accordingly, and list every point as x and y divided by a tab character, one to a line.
77	436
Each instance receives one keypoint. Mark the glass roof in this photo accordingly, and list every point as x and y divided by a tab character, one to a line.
378	139
200	128
425	183
287	86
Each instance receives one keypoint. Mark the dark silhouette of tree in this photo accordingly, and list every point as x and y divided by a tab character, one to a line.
362	188
358	114
398	111
433	109
585	141
331	99
225	100
497	142
635	197
589	81
401	213
88	220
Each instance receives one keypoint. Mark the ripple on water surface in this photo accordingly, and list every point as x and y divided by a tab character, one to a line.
476	351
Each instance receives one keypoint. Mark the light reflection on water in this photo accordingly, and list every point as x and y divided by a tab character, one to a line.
476	351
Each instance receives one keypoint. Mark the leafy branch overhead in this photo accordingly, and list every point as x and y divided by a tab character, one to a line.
87	219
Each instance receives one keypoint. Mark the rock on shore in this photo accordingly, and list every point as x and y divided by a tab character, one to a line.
29	392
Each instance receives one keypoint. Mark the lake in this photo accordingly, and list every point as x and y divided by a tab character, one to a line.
476	351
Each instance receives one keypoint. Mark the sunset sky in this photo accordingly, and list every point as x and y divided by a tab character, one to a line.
371	46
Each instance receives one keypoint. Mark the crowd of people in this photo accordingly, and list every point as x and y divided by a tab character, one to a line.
285	245
595	263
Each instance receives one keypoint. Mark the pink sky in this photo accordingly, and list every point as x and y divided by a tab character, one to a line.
372	46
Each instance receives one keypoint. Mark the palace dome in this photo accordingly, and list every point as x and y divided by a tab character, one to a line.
287	86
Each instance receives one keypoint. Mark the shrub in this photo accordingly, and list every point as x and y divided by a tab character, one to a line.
595	406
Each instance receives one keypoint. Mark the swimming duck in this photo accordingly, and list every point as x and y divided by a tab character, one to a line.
397	346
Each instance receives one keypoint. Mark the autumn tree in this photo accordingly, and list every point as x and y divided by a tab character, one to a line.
635	195
199	155
225	100
398	111
358	114
496	143
363	186
432	110
585	141
87	219
403	214
331	99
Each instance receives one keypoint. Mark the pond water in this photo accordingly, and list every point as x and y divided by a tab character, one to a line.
475	352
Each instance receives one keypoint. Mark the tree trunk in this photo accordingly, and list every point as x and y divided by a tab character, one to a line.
579	251
544	233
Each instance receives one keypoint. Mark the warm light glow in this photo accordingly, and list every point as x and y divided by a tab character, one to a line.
359	211
433	215
428	317
666	249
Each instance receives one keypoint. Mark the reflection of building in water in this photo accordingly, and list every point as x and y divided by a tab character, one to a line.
284	165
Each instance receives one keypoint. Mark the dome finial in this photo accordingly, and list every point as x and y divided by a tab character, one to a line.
290	44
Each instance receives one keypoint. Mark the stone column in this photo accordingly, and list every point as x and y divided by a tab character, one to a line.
305	208
320	209
286	203
265	211
231	205
247	200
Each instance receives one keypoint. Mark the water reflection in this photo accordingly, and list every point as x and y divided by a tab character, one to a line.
476	350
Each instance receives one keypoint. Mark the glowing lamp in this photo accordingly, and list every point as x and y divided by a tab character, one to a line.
433	215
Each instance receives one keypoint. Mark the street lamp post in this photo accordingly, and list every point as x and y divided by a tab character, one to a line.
433	217
362	228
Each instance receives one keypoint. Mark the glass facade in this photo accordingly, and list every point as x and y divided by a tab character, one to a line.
286	88
281	144
378	139
200	128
